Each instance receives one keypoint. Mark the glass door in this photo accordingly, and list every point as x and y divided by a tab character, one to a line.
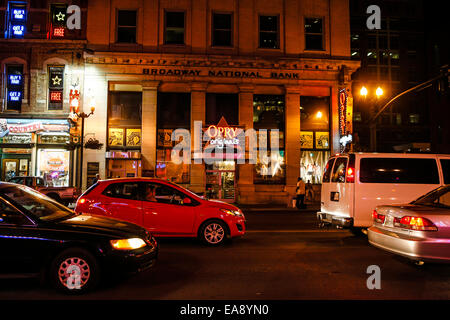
220	181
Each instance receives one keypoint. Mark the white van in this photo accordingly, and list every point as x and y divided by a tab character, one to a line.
354	184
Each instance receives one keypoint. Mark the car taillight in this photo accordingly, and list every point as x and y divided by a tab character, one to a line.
416	223
378	217
350	175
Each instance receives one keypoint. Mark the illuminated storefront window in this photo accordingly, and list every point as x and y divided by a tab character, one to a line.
314	137
174	111
53	166
268	114
124	134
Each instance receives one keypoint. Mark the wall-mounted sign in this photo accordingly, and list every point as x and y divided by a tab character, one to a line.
14	87
306	140
229	140
322	140
56	96
12	126
343	112
133	137
58	20
24	138
165	138
115	137
17	17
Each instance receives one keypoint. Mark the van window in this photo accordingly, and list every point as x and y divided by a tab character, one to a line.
327	171
445	164
339	170
399	170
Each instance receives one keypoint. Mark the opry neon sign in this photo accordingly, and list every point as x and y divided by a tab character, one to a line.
222	134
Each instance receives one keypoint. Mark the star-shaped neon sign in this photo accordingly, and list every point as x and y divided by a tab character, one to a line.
60	16
56	81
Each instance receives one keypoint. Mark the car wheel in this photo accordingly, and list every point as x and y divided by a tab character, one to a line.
213	233
75	271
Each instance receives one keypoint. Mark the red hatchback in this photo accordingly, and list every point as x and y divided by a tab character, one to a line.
163	208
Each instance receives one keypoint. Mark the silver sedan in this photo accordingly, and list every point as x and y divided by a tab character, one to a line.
419	230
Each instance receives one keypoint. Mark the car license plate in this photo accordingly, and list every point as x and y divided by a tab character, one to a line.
389	222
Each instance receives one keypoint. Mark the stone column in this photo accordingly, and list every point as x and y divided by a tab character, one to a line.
292	139
246	188
149	108
198	101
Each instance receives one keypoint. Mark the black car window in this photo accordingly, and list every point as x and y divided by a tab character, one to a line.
16	180
339	170
445	163
29	182
9	215
327	172
40	182
439	197
155	192
399	170
123	190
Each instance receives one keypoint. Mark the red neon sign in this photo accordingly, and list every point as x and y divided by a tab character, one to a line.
58	32
55	96
222	132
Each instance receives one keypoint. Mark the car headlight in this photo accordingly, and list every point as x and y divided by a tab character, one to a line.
128	244
232	212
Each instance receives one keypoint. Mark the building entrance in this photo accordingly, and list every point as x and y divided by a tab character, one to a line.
221	181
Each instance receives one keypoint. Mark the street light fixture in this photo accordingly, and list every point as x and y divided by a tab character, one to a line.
372	110
379	92
363	91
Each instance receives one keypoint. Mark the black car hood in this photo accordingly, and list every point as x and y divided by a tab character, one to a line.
103	225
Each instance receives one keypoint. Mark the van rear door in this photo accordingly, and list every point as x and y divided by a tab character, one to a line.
339	195
325	189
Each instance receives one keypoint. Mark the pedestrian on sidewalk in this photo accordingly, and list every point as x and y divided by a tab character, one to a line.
301	191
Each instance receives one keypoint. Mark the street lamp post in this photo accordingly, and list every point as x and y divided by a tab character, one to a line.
372	110
83	116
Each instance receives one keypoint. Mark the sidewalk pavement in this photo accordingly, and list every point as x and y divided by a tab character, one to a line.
310	206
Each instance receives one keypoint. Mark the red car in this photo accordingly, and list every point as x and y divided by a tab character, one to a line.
163	208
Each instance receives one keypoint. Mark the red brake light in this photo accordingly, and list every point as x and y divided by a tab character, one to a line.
82	200
417	223
378	217
350	175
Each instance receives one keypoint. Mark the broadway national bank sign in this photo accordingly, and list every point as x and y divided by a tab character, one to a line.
220	73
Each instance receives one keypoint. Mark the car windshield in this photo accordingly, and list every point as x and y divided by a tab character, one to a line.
439	197
35	203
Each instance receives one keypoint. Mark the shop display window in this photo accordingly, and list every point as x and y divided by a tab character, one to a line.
173	113
269	114
314	137
53	165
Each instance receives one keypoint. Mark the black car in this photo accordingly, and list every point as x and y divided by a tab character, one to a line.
40	237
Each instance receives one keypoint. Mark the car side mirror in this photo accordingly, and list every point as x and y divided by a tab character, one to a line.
187	200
